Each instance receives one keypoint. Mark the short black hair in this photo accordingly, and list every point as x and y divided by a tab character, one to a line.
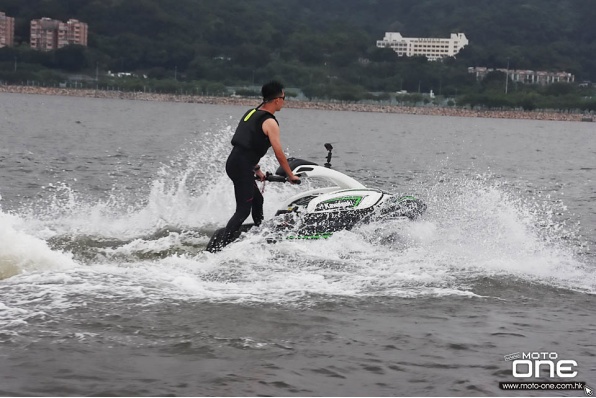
271	90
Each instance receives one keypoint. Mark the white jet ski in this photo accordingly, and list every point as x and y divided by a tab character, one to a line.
319	212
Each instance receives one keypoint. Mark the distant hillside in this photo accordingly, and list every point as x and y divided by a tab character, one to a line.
308	41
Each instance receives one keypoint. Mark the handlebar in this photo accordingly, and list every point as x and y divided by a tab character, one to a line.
275	178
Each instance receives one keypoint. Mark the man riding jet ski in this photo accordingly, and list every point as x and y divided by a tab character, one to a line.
319	212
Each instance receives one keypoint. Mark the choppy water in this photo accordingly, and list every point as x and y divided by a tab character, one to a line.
106	207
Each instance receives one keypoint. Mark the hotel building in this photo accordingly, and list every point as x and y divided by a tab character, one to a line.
432	48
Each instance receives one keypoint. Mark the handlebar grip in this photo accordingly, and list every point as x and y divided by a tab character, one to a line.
275	178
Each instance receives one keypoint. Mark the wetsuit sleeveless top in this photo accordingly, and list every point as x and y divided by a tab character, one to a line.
249	136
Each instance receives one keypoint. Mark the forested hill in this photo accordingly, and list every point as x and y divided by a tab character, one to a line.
305	40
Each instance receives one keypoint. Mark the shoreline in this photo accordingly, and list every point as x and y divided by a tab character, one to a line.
331	106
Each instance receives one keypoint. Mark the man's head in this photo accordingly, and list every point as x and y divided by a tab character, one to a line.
273	96
272	91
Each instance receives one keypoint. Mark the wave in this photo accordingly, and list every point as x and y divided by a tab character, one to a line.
476	227
21	252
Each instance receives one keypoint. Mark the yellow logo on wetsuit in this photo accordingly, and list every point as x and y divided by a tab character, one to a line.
249	114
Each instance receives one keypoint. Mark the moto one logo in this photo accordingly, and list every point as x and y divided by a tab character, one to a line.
532	363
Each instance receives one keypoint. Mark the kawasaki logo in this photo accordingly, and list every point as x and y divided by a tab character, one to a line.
324	235
339	203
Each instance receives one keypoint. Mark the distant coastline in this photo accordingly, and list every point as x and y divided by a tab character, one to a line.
334	106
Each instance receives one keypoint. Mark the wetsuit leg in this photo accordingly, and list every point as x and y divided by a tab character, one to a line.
257	206
244	192
240	172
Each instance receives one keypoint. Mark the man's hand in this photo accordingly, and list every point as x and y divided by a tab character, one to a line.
294	179
260	175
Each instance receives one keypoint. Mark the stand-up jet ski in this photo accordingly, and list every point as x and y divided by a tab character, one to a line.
318	213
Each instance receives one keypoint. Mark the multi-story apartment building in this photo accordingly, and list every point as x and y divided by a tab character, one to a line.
44	34
430	47
6	30
76	32
526	76
49	34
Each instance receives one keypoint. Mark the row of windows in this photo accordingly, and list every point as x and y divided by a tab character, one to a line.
401	47
430	47
417	42
428	53
418	46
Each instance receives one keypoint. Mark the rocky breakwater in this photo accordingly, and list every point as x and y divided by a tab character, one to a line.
319	105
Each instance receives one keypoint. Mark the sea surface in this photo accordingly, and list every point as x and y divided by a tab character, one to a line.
105	289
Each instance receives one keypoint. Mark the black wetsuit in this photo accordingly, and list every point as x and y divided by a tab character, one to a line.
250	145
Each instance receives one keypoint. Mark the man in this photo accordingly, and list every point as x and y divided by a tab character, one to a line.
257	131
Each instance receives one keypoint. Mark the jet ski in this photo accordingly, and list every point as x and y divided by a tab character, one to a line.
319	212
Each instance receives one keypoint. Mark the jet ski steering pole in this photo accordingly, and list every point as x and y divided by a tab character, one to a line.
329	148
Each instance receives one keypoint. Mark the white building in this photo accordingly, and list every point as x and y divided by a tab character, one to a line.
430	47
526	76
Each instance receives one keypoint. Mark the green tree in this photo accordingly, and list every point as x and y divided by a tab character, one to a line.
71	58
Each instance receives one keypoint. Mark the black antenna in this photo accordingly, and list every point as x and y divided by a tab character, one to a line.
329	148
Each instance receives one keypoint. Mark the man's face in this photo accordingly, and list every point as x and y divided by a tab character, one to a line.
280	101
